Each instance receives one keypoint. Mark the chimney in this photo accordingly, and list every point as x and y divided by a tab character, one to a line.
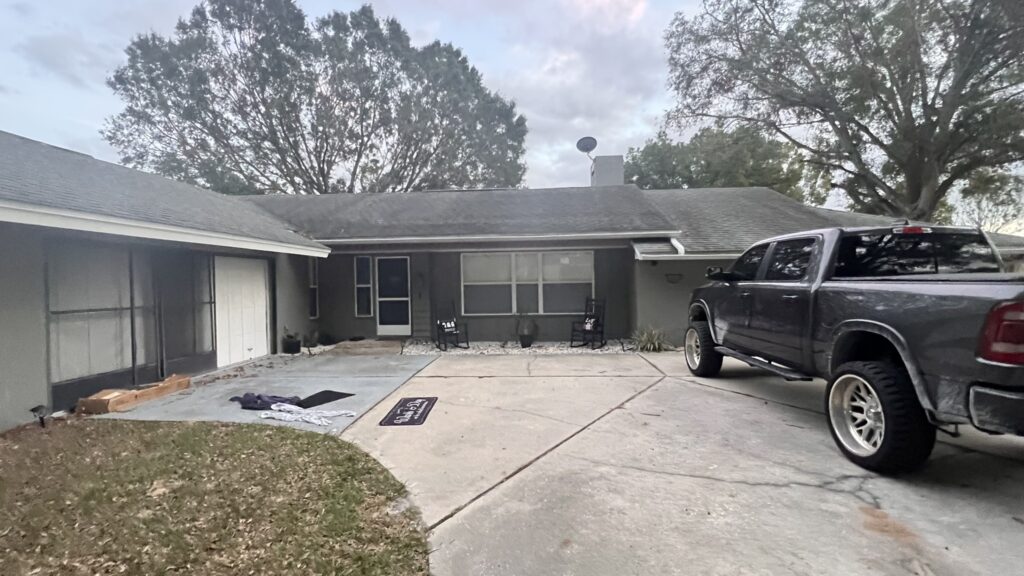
607	171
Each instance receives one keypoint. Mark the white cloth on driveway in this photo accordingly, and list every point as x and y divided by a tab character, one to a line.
291	413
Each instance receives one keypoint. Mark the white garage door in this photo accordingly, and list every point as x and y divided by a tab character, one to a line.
242	309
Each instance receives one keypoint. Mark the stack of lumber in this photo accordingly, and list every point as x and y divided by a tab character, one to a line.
119	400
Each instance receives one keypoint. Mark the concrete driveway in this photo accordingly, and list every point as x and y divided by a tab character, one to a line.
368	378
623	464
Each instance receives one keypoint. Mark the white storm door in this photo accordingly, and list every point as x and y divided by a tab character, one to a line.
394	317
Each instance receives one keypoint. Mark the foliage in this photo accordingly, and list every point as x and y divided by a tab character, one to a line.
896	104
992	202
650	340
715	157
199	498
248	97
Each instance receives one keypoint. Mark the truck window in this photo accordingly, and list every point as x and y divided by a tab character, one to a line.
745	267
890	254
790	260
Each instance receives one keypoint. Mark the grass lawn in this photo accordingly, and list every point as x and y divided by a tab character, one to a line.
116	497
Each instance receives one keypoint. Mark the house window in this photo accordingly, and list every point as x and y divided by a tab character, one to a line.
502	283
364	286
314	288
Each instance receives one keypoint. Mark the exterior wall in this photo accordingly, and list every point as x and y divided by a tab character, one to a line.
291	296
23	378
434	280
338	299
25	321
660	303
612	273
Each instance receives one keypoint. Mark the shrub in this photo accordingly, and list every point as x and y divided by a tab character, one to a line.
650	340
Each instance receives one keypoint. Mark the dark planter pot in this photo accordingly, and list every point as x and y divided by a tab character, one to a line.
291	346
525	340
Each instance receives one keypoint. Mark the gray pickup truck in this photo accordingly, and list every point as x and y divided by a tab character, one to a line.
915	328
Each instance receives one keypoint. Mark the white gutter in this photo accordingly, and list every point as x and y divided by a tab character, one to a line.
708	256
34	215
497	238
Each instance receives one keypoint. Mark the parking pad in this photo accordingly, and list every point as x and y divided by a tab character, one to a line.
368	378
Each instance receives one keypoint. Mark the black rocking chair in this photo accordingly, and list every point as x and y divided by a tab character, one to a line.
448	332
590	330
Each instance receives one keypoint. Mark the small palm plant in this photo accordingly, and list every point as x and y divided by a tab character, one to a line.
650	340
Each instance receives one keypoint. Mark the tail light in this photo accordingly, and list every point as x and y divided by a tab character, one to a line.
1002	339
912	230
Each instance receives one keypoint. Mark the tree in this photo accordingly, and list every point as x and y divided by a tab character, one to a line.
897	102
992	202
249	97
715	157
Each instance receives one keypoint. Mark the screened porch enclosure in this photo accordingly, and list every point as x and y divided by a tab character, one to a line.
120	316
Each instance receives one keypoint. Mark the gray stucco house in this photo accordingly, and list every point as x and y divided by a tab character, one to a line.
111	277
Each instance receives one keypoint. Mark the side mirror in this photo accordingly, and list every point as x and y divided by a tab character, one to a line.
715	273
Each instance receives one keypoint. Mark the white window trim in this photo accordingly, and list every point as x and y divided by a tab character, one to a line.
540	282
357	285
313	275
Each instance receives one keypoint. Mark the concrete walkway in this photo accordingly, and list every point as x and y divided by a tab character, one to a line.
369	378
620	464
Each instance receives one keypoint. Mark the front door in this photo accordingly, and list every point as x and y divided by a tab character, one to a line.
393	314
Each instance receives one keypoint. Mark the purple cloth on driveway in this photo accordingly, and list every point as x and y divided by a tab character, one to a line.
252	401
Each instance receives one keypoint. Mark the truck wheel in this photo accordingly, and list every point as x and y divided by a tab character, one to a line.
876	419
699	349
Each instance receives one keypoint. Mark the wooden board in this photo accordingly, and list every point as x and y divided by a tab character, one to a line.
119	400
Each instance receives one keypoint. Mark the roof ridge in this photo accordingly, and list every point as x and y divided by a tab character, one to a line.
47	144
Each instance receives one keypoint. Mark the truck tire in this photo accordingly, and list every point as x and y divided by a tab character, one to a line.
699	349
875	418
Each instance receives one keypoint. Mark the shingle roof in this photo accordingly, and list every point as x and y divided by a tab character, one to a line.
38	174
729	220
608	210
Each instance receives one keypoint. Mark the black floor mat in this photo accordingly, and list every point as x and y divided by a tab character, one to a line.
321	397
409	412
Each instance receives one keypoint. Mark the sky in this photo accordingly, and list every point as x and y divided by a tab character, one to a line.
574	67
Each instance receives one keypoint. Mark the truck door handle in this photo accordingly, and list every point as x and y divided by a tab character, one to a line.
790	296
744	294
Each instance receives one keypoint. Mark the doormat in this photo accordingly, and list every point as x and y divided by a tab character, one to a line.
409	412
321	397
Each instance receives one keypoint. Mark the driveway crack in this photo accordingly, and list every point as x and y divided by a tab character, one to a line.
532	461
836	485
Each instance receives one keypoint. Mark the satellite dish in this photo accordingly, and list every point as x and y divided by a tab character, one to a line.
586	144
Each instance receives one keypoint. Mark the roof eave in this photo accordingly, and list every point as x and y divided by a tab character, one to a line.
469	239
35	215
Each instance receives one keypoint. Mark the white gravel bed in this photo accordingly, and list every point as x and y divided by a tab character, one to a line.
420	347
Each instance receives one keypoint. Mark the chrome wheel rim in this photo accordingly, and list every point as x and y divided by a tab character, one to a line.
856	415
692	348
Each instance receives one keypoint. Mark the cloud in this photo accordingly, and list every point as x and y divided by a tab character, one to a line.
69	56
22	9
609	15
594	68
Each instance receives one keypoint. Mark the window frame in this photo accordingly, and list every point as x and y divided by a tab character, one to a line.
761	266
356	286
513	283
313	279
766	263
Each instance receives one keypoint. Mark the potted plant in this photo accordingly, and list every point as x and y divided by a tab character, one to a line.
291	343
526	328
